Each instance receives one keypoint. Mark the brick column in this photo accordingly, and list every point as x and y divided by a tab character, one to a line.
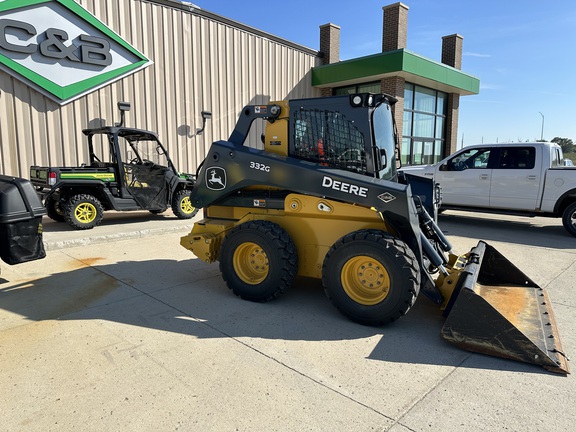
452	56
330	49
452	50
452	124
330	43
395	27
394	86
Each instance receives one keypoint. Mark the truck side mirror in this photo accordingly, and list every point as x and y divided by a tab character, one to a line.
444	167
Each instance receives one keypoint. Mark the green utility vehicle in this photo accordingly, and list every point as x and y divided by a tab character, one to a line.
128	169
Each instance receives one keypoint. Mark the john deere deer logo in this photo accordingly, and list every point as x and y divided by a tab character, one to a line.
215	178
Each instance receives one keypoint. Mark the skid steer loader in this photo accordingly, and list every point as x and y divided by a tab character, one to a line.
323	200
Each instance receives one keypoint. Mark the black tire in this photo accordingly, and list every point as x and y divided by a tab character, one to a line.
54	210
155	212
83	211
371	277
182	206
258	261
569	219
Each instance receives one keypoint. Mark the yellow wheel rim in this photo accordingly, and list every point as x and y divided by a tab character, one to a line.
250	263
186	205
85	212
365	280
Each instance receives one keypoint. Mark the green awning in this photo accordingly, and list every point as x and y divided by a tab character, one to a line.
412	67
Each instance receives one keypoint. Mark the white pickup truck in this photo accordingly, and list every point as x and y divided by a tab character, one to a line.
514	178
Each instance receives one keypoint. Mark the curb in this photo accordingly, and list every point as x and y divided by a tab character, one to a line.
53	244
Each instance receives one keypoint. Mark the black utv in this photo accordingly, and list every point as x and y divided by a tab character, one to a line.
128	169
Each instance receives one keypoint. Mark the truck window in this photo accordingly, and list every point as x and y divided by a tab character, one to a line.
471	159
517	158
556	157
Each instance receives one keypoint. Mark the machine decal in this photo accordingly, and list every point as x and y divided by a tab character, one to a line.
259	166
216	178
386	197
352	189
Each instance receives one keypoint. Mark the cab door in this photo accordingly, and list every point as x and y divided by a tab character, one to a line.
465	178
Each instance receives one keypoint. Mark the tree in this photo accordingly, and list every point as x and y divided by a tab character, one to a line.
566	144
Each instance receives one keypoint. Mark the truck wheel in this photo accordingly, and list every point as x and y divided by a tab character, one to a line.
83	211
182	206
569	219
371	277
258	260
54	210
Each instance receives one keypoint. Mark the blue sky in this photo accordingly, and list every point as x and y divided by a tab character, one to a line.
523	52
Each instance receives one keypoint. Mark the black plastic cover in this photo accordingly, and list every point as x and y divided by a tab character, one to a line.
21	214
18	200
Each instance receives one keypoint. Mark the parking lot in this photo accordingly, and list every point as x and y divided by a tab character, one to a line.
122	329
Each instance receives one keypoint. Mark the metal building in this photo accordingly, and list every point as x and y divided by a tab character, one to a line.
65	64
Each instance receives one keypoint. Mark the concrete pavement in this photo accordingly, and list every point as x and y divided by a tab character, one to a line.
122	329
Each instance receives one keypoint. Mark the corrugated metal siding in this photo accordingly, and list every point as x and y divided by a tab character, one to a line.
200	63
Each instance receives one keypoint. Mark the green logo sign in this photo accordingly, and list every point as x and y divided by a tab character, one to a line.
61	49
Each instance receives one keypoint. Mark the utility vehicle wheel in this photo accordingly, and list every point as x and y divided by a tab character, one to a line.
83	211
258	260
54	210
371	277
569	219
182	206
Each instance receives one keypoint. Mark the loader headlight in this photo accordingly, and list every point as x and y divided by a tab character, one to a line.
356	100
363	99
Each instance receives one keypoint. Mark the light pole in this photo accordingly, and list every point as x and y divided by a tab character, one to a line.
542	131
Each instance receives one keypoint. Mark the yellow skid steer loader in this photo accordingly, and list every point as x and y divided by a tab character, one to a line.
323	199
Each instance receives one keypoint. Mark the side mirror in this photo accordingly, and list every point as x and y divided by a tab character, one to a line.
206	115
444	167
123	107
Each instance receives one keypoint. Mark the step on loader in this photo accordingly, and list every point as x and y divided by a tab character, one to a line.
323	199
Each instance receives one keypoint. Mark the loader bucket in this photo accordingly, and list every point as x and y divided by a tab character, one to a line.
496	309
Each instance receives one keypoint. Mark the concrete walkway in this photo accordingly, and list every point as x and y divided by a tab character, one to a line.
122	329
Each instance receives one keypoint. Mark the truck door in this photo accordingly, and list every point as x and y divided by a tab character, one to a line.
516	179
465	178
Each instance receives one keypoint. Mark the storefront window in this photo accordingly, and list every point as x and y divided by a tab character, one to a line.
372	87
423	129
425	100
408	96
405	151
441	103
407	123
439	127
423	125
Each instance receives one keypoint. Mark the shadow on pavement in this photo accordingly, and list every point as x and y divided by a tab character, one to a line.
197	303
522	230
111	219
